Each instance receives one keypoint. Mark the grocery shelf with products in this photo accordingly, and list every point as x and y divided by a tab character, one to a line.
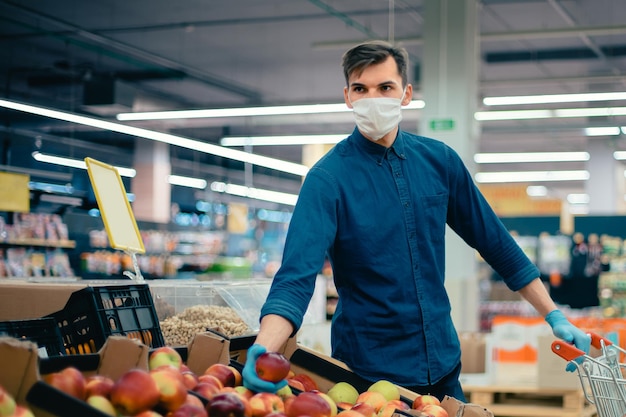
34	246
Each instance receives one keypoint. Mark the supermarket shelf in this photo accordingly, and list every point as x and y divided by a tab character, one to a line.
524	401
65	244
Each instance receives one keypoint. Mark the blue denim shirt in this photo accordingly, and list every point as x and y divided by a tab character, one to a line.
380	215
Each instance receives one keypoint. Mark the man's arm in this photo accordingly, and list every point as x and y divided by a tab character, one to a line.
274	332
537	295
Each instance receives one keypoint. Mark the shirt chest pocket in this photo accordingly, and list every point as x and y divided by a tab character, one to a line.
431	216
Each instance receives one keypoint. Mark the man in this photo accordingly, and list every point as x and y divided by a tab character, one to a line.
377	205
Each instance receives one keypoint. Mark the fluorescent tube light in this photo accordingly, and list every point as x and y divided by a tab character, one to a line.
512	157
77	163
531	176
255	193
553	98
277	164
619	155
547	114
187	182
249	111
281	140
602	131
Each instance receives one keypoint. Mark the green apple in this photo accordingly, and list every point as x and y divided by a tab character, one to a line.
388	389
7	403
343	392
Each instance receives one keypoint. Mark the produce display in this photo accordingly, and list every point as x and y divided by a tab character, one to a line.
180	329
168	388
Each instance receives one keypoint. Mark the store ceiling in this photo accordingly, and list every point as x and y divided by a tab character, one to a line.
189	54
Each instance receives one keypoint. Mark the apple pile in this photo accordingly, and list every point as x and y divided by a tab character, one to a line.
9	408
168	388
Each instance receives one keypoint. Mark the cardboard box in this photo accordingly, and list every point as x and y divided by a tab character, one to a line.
22	370
551	368
30	300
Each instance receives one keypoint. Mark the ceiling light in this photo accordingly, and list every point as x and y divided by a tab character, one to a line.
547	114
187	182
255	193
536	191
77	163
619	155
553	98
281	140
602	131
531	176
277	164
575	198
512	157
249	111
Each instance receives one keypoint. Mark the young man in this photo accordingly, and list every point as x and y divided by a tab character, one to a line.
377	205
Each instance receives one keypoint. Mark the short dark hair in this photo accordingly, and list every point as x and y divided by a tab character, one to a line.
361	56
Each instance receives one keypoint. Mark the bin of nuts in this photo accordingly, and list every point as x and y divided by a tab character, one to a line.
188	307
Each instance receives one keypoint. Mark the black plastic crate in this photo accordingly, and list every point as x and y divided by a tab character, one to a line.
44	332
93	314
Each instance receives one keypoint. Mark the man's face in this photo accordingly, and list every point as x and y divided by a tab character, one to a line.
378	80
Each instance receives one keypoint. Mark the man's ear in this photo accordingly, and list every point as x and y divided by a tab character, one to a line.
408	95
346	99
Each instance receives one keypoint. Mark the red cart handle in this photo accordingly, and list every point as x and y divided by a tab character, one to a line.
571	352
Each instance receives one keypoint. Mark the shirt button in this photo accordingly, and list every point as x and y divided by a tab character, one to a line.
407	204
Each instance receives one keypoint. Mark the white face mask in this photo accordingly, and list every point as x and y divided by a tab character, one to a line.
375	117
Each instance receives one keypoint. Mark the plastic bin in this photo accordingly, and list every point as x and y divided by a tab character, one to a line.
44	332
95	313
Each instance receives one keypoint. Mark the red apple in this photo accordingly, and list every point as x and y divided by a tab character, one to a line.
211	379
309	404
164	356
206	390
98	385
7	403
421	400
373	398
433	410
227	374
390	408
148	413
226	404
276	414
172	389
272	366
349	413
308	383
69	380
135	391
190	379
189	410
263	403
366	409
295	384
330	401
103	404
193	399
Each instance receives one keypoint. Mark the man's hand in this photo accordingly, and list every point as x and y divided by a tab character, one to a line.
563	329
250	378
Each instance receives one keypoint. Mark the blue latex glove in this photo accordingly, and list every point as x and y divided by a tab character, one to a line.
563	329
250	378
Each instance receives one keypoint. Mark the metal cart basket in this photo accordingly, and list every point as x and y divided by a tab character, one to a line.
602	378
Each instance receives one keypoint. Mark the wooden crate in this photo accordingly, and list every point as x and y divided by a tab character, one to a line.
526	401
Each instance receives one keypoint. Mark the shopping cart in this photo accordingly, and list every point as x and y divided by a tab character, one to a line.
602	378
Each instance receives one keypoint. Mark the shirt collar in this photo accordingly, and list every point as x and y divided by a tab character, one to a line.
379	152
